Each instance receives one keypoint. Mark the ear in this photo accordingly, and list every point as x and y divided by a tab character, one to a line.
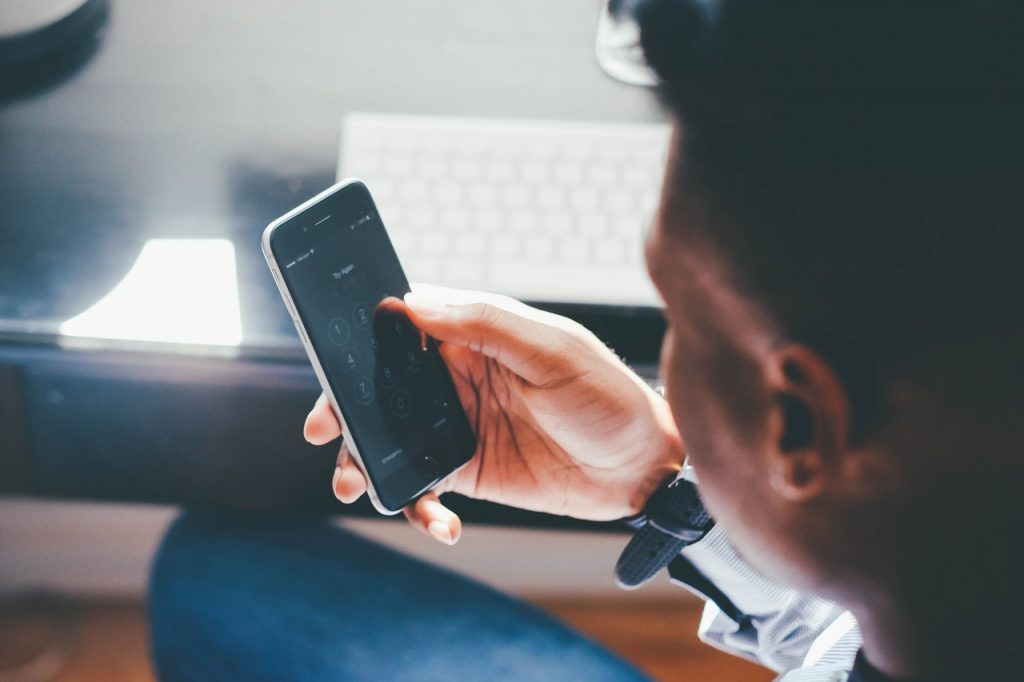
810	423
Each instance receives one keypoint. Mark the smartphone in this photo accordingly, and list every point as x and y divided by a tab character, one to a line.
341	281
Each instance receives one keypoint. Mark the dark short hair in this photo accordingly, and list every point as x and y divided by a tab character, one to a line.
867	159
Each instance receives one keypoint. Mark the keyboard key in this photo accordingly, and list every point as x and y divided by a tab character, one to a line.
637	177
466	170
610	251
649	202
398	166
515	196
595	224
482	195
432	168
619	200
523	222
602	174
390	213
557	223
500	171
651	157
413	192
550	197
448	193
584	199
574	250
628	225
487	221
420	268
539	248
456	221
505	247
463	273
404	241
421	219
535	172
569	173
383	192
635	254
438	242
469	244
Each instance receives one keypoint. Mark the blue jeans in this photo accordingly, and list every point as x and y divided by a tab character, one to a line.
233	600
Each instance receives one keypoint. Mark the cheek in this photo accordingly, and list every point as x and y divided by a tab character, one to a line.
725	466
688	394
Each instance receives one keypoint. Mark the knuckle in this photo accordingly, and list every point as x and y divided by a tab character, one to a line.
564	346
573	338
482	320
482	314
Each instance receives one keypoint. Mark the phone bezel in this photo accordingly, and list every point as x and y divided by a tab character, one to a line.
318	368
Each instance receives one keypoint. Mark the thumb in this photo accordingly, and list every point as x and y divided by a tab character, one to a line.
535	345
430	515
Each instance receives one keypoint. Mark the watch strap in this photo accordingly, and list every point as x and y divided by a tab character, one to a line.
673	518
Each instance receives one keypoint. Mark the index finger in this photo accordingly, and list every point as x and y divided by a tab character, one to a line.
321	425
536	345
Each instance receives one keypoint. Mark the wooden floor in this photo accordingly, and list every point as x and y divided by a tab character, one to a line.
659	638
105	641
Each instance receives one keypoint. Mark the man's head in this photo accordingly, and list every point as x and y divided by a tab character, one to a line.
839	247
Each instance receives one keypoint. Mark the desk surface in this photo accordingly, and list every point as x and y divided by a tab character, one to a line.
200	120
205	120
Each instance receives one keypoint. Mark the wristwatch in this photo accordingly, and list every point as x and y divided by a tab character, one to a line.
673	518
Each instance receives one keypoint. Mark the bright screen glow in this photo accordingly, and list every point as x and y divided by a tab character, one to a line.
178	291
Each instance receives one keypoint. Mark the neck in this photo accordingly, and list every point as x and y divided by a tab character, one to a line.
933	574
951	611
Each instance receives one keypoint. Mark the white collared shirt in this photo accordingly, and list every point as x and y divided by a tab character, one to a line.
803	638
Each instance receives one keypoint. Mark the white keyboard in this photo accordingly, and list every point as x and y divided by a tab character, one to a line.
538	210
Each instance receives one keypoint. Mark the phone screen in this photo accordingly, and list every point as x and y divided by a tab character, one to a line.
390	382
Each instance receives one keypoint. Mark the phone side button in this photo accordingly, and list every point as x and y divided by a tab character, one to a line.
302	332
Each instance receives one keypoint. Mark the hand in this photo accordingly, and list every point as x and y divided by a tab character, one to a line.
563	426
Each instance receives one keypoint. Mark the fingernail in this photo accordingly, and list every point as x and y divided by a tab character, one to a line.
440	530
423	305
335	481
305	431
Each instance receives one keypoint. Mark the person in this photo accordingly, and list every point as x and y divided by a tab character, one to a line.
837	246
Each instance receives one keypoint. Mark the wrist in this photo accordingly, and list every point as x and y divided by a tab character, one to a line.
673	518
663	463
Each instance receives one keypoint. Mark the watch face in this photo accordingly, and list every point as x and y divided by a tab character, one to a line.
687	473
